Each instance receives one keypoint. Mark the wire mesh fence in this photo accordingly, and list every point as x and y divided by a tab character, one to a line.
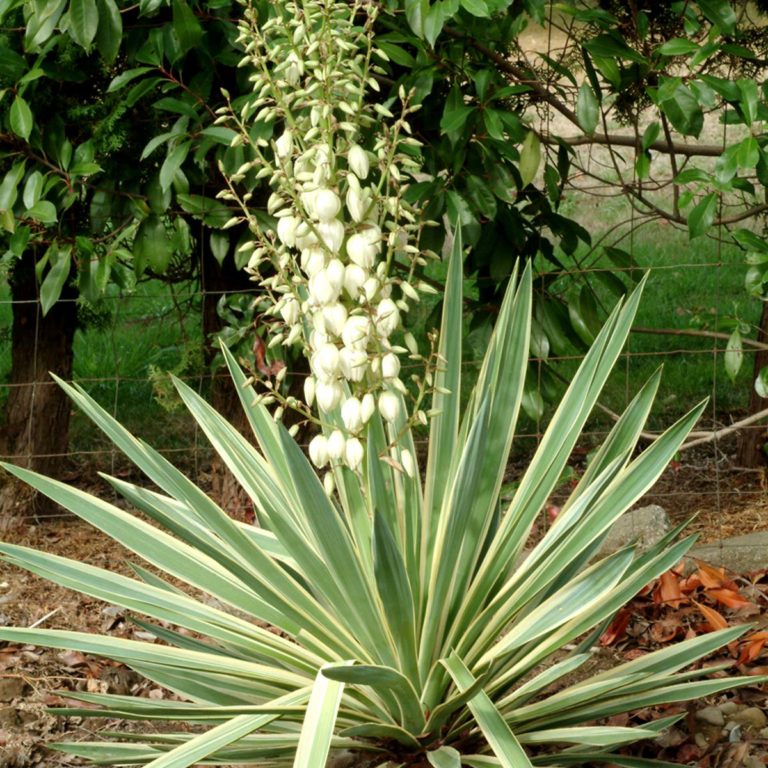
694	298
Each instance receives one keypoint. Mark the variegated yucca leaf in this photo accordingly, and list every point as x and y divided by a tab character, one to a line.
403	622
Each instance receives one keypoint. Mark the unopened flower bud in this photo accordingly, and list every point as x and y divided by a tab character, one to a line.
309	390
351	414
328	395
371	288
318	451
327	204
389	406
357	201
336	443
329	484
390	366
353	453
275	203
358	161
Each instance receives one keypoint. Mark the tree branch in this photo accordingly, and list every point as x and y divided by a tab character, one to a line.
660	145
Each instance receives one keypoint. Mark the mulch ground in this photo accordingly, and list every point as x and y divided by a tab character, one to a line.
727	501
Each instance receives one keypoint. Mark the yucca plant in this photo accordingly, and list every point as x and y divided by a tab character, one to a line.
408	629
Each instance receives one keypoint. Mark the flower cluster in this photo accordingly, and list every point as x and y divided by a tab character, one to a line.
338	263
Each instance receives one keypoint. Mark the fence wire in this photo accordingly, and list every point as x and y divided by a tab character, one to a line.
121	356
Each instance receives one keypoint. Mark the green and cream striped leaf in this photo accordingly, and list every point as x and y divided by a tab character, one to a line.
319	722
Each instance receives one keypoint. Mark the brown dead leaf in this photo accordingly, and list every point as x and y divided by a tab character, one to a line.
668	590
714	619
711	576
617	628
729	598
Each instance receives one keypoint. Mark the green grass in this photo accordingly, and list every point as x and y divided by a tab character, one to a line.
692	286
142	331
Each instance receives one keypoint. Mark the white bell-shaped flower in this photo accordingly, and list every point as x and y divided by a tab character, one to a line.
336	444
357	158
328	395
356	332
364	246
353	363
327	204
334	318
286	230
313	260
284	145
335	272
354	278
367	407
325	363
352	414
390	366
331	234
321	290
353	453
387	317
290	310
318	451
307	198
389	406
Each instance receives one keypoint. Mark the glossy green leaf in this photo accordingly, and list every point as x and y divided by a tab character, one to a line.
83	21
677	46
702	215
530	158
720	13
587	109
734	355
56	277
109	33
22	121
152	247
43	211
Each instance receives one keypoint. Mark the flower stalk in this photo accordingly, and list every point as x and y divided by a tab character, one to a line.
337	260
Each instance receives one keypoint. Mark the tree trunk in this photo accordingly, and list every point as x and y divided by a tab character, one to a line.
35	431
752	438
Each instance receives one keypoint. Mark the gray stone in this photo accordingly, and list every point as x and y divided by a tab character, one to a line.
740	554
643	526
750	717
711	715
